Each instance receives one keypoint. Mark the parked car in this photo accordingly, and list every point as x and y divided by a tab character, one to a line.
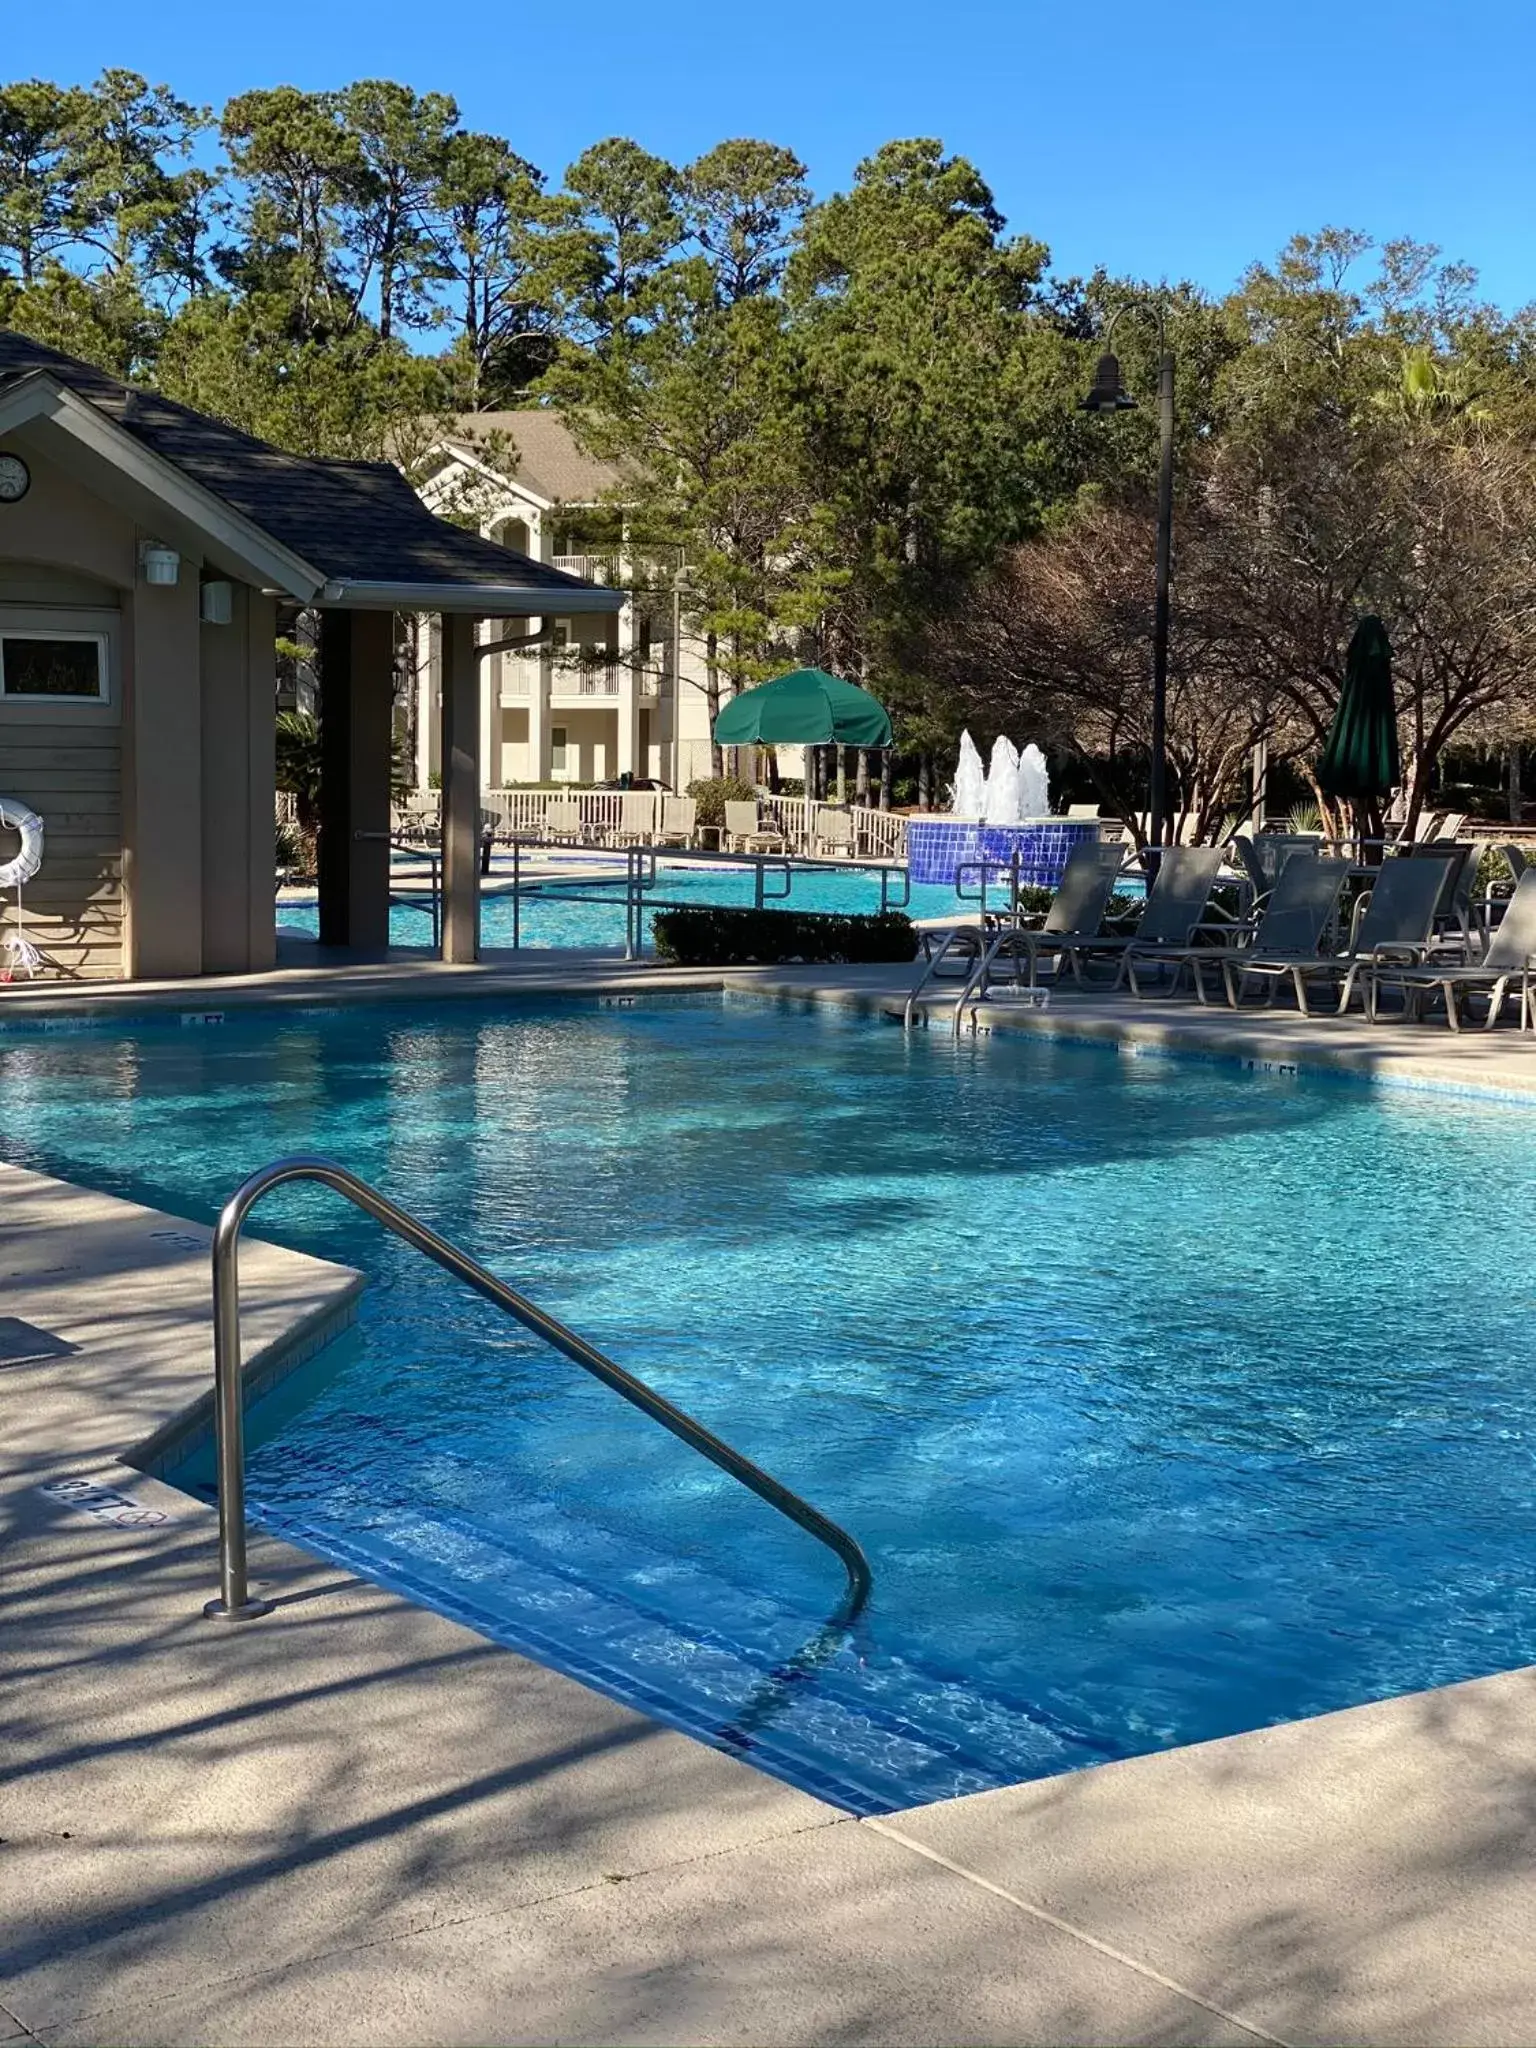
634	782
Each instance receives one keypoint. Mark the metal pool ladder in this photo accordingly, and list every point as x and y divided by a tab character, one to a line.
235	1601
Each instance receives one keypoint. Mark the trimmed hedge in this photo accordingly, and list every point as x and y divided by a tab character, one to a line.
718	937
714	792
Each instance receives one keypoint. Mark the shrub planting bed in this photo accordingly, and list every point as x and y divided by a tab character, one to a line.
710	937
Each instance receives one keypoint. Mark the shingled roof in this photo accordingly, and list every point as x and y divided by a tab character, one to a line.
358	525
550	460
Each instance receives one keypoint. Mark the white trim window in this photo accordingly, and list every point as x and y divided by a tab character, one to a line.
54	665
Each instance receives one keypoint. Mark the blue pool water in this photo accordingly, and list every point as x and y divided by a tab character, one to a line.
1167	1401
590	913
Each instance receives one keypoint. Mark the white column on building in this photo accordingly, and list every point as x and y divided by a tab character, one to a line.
629	721
426	654
490	704
540	675
628	762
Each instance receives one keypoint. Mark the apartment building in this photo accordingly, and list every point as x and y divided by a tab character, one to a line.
588	698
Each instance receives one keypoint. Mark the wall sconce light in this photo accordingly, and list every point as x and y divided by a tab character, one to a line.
159	565
216	604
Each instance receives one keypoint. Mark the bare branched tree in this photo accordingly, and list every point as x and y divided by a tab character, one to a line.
1057	642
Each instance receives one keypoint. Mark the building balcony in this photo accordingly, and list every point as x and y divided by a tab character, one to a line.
572	685
578	686
604	569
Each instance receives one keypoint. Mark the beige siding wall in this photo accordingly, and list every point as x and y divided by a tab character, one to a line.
71	775
157	806
65	555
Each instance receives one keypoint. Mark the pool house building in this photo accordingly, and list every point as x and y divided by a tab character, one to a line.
144	549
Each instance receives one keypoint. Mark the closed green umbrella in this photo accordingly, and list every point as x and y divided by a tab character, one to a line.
806	708
1361	758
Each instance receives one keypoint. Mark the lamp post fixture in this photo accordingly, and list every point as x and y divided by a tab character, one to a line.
1107	396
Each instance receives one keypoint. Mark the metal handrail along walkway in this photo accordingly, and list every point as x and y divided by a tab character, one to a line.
235	1602
641	878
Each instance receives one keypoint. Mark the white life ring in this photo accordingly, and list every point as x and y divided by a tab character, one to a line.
25	821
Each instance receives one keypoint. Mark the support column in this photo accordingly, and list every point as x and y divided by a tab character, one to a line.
629	724
489	666
461	791
238	772
356	719
629	681
425	653
539	685
162	780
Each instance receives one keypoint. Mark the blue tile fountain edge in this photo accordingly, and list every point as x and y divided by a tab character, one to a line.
937	847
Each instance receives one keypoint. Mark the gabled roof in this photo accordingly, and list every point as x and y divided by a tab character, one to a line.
356	529
550	462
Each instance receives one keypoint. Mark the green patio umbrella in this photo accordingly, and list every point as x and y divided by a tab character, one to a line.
806	708
1361	758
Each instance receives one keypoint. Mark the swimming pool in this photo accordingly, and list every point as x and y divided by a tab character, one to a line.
589	913
1167	1401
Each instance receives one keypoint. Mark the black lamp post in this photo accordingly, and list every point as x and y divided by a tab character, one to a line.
1106	396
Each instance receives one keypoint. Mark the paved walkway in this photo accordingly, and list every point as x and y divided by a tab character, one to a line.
357	1822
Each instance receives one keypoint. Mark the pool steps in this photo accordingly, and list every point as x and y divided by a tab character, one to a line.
540	1588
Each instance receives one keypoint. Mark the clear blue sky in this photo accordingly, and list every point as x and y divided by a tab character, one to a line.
1179	140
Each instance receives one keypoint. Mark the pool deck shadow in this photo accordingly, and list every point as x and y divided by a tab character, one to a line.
356	1821
1367	1876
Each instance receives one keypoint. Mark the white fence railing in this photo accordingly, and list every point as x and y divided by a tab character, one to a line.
882	832
787	813
522	813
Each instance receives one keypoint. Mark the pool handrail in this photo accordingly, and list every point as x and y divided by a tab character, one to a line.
235	1601
961	938
433	907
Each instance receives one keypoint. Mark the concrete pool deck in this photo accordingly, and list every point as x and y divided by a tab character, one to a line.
358	1821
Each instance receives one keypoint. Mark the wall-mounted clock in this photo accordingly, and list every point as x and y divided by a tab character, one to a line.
15	479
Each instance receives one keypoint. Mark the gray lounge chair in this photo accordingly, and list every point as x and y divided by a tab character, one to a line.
1290	929
1510	958
1175	912
968	952
1455	908
1072	922
1265	854
1438	825
1398	923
